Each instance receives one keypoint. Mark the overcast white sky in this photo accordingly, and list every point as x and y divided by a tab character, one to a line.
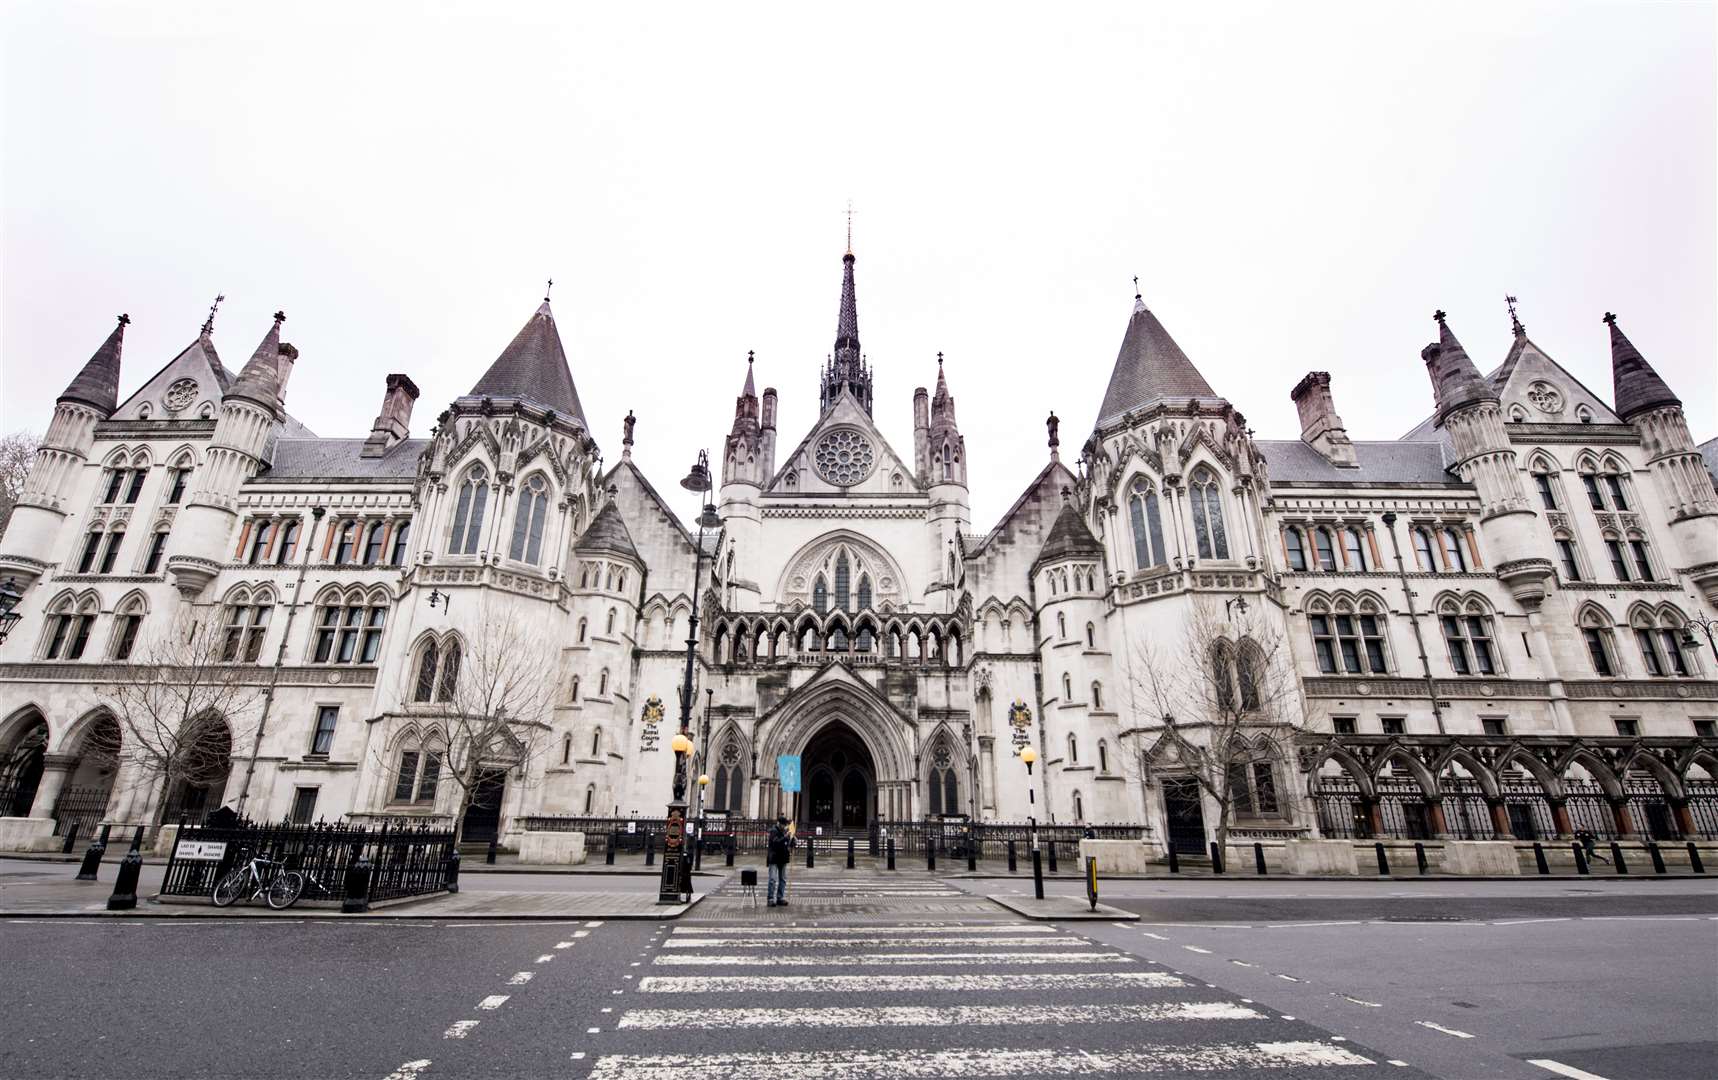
1297	186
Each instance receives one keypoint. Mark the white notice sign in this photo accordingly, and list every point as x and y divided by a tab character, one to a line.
205	850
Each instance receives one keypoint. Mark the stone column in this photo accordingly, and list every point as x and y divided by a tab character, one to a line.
56	768
1374	817
1500	829
1620	814
1684	819
1560	818
1435	817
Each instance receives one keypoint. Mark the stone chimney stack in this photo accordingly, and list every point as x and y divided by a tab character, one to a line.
395	421
1320	427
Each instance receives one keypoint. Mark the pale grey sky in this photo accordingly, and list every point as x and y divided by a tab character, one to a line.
1297	187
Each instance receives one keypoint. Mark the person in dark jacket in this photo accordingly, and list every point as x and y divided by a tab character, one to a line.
780	851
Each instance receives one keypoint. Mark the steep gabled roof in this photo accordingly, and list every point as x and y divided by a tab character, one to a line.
1150	367
1054	471
607	534
533	368
97	384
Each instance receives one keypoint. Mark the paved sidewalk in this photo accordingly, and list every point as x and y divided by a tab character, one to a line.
1062	909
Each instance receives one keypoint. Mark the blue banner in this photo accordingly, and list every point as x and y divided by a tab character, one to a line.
787	767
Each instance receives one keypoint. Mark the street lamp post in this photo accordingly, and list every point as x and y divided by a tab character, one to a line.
1689	641
1029	756
9	597
675	886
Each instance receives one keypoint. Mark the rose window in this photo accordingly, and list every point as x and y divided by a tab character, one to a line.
180	395
844	458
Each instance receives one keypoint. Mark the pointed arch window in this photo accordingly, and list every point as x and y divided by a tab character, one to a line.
1061	625
110	554
1468	635
247	625
126	626
1354	549
343	547
1079	807
1067	687
1091	636
402	535
1567	555
69	629
948	462
468	513
1424	556
820	596
262	532
1325	546
1596	632
864	592
730	787
1642	559
157	548
1455	559
1073	749
427	662
1097	695
1146	519
374	534
842	580
1103	756
943	784
528	517
1543	482
288	547
1207	508
177	479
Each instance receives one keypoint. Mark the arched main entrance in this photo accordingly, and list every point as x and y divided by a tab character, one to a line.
840	780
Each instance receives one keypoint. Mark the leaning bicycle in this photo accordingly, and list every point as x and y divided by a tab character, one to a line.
261	876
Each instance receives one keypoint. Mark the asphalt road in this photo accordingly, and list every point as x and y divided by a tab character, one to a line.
882	976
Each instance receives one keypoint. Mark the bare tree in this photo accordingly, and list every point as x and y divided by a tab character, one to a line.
1226	695
180	710
492	701
17	454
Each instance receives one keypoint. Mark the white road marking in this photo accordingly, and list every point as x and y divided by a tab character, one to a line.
593	1031
520	978
1159	937
409	1070
545	958
581	933
1197	949
1298	925
493	1001
930	1016
801	931
1290	978
956	959
1445	1030
745	943
594	925
853	984
1393	1061
922	1064
1524	922
459	1029
1357	1001
563	944
578	1055
1564	1070
1240	963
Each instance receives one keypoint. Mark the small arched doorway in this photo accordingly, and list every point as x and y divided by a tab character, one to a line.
21	768
840	780
200	760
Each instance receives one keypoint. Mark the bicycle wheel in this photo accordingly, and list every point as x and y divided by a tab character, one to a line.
284	890
230	888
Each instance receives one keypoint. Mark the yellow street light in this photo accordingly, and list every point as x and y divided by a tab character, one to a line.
680	744
704	780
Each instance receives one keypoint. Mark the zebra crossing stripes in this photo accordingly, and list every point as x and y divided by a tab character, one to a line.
951	959
1008	929
861	984
852	942
931	1016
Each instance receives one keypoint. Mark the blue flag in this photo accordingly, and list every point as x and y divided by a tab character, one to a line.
787	766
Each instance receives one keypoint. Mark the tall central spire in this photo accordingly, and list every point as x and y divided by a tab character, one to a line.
846	367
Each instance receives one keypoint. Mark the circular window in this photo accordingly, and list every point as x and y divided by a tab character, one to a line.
1545	397
845	457
180	395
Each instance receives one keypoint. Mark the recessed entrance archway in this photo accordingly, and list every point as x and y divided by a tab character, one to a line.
840	780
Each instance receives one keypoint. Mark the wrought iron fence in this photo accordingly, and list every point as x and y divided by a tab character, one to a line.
403	861
80	808
1405	814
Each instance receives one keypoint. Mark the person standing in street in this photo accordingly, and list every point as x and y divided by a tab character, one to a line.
780	851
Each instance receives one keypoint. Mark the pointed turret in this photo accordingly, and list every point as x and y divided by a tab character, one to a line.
1638	387
1069	536
533	368
259	381
1150	368
1456	383
607	534
946	447
97	385
743	455
846	368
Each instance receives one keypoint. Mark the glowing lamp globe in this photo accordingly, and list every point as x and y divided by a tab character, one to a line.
681	744
704	780
1028	755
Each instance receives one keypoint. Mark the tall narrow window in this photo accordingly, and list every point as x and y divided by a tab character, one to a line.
841	582
1460	662
402	535
449	681
125	636
1598	650
136	488
468	513
426	672
864	592
1590	484
1547	494
157	548
1207	508
1373	640
1326	548
1453	554
374	534
261	534
344	546
115	485
1348	642
1354	548
110	554
1642	563
1613	484
1294	548
176	481
527	543
1147	521
407	776
1649	652
1566	555
288	547
1073	749
1619	564
322	739
1323	643
92	547
1423	556
820	596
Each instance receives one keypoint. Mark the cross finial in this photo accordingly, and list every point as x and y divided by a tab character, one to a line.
751	354
939	359
124	320
209	323
849	226
1610	319
546	290
1136	295
279	317
1514	322
1439	316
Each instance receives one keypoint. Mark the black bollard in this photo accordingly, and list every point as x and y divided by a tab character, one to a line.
124	896
810	852
1617	855
1657	857
1038	873
92	858
1420	856
1174	860
71	839
1216	858
930	853
1259	858
698	853
450	875
494	843
849	853
357	898
1580	858
1694	862
613	842
730	849
1013	867
649	850
1539	858
1051	844
1383	859
891	852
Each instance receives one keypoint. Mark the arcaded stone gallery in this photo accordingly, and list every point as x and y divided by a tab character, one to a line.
1494	626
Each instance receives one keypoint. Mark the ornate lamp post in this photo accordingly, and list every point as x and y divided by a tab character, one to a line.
9	597
676	884
1689	641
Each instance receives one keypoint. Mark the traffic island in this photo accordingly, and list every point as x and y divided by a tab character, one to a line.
1062	909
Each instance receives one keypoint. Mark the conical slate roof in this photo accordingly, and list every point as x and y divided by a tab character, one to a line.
259	380
97	385
1638	387
533	368
607	534
1150	367
847	323
1455	380
1069	536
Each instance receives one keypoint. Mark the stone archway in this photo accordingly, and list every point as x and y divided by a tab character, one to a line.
837	709
840	780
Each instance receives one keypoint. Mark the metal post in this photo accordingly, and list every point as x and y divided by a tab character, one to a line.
494	844
1174	860
1013	867
92	858
649	849
1420	857
1539	858
124	896
891	852
1383	859
357	897
613	842
1259	858
698	851
450	875
1580	858
1216	858
1657	857
1694	862
71	839
729	858
1051	844
1617	855
972	855
930	851
810	852
849	853
1038	873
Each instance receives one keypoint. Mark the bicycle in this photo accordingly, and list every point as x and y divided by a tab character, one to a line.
261	876
304	880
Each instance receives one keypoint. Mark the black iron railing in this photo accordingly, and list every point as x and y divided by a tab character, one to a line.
1405	812
403	861
82	808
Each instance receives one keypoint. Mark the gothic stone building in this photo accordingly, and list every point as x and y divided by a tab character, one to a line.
1486	624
